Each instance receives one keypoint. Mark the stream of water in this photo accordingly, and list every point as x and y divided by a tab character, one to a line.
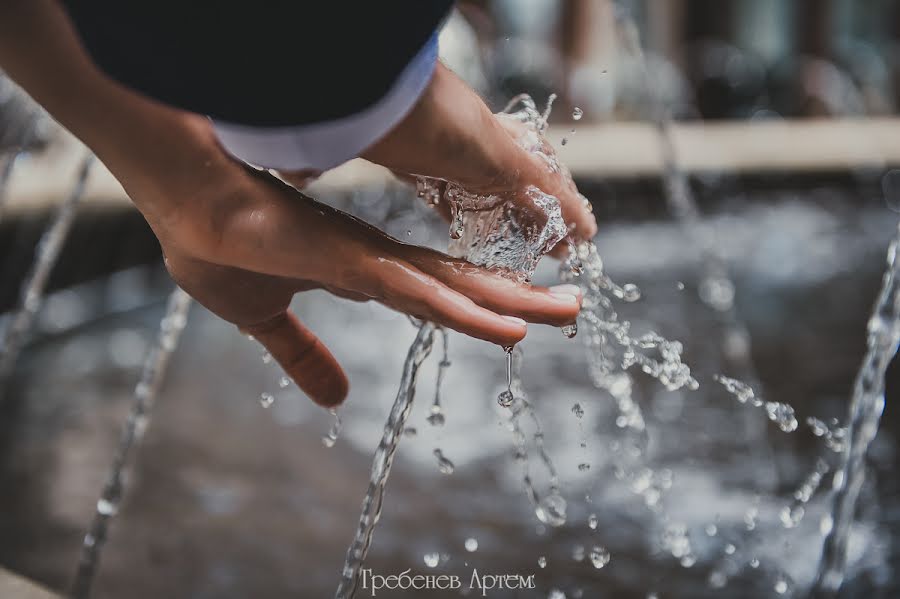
145	393
32	292
866	406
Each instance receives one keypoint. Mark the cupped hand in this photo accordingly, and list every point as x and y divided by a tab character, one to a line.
451	134
244	246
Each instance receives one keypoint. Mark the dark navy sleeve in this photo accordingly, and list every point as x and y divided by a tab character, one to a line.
266	63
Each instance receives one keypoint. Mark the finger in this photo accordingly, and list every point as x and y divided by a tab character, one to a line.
403	287
303	357
555	306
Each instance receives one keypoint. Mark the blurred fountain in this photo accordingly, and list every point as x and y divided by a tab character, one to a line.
155	366
32	291
866	408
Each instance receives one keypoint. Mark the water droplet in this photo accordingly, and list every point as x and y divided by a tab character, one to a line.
578	553
781	586
331	437
266	358
436	418
754	563
106	508
791	515
592	521
432	559
599	556
284	382
471	544
552	510
711	530
825	525
556	594
717	579
584	467
409	232
730	549
542	561
570	330
680	286
577	114
564	141
410	431
445	466
505	399
631	292
578	410
266	399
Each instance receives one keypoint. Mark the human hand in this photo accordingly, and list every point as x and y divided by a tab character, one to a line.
452	135
245	243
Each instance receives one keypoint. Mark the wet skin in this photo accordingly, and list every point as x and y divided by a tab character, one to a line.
242	242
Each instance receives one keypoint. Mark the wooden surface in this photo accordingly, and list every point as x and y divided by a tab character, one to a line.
13	586
594	152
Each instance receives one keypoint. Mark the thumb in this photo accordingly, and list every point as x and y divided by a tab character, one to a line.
304	357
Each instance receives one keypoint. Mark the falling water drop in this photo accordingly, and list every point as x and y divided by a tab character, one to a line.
584	467
331	437
564	141
106	507
711	530
577	114
409	232
781	586
542	562
436	417
556	594
471	544
570	330
593	521
600	556
444	465
266	358
284	382
266	399
730	549
552	510
505	399
432	559
631	292
578	410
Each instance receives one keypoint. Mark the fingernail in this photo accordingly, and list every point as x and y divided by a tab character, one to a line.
516	320
566	290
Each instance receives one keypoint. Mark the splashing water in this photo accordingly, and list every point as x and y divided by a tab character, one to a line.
779	413
792	514
866	407
48	251
145	393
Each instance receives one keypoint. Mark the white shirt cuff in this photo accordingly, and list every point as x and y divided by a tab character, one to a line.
324	145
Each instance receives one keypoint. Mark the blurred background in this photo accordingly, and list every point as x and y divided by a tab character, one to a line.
743	159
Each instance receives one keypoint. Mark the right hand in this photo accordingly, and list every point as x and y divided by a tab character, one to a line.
244	243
